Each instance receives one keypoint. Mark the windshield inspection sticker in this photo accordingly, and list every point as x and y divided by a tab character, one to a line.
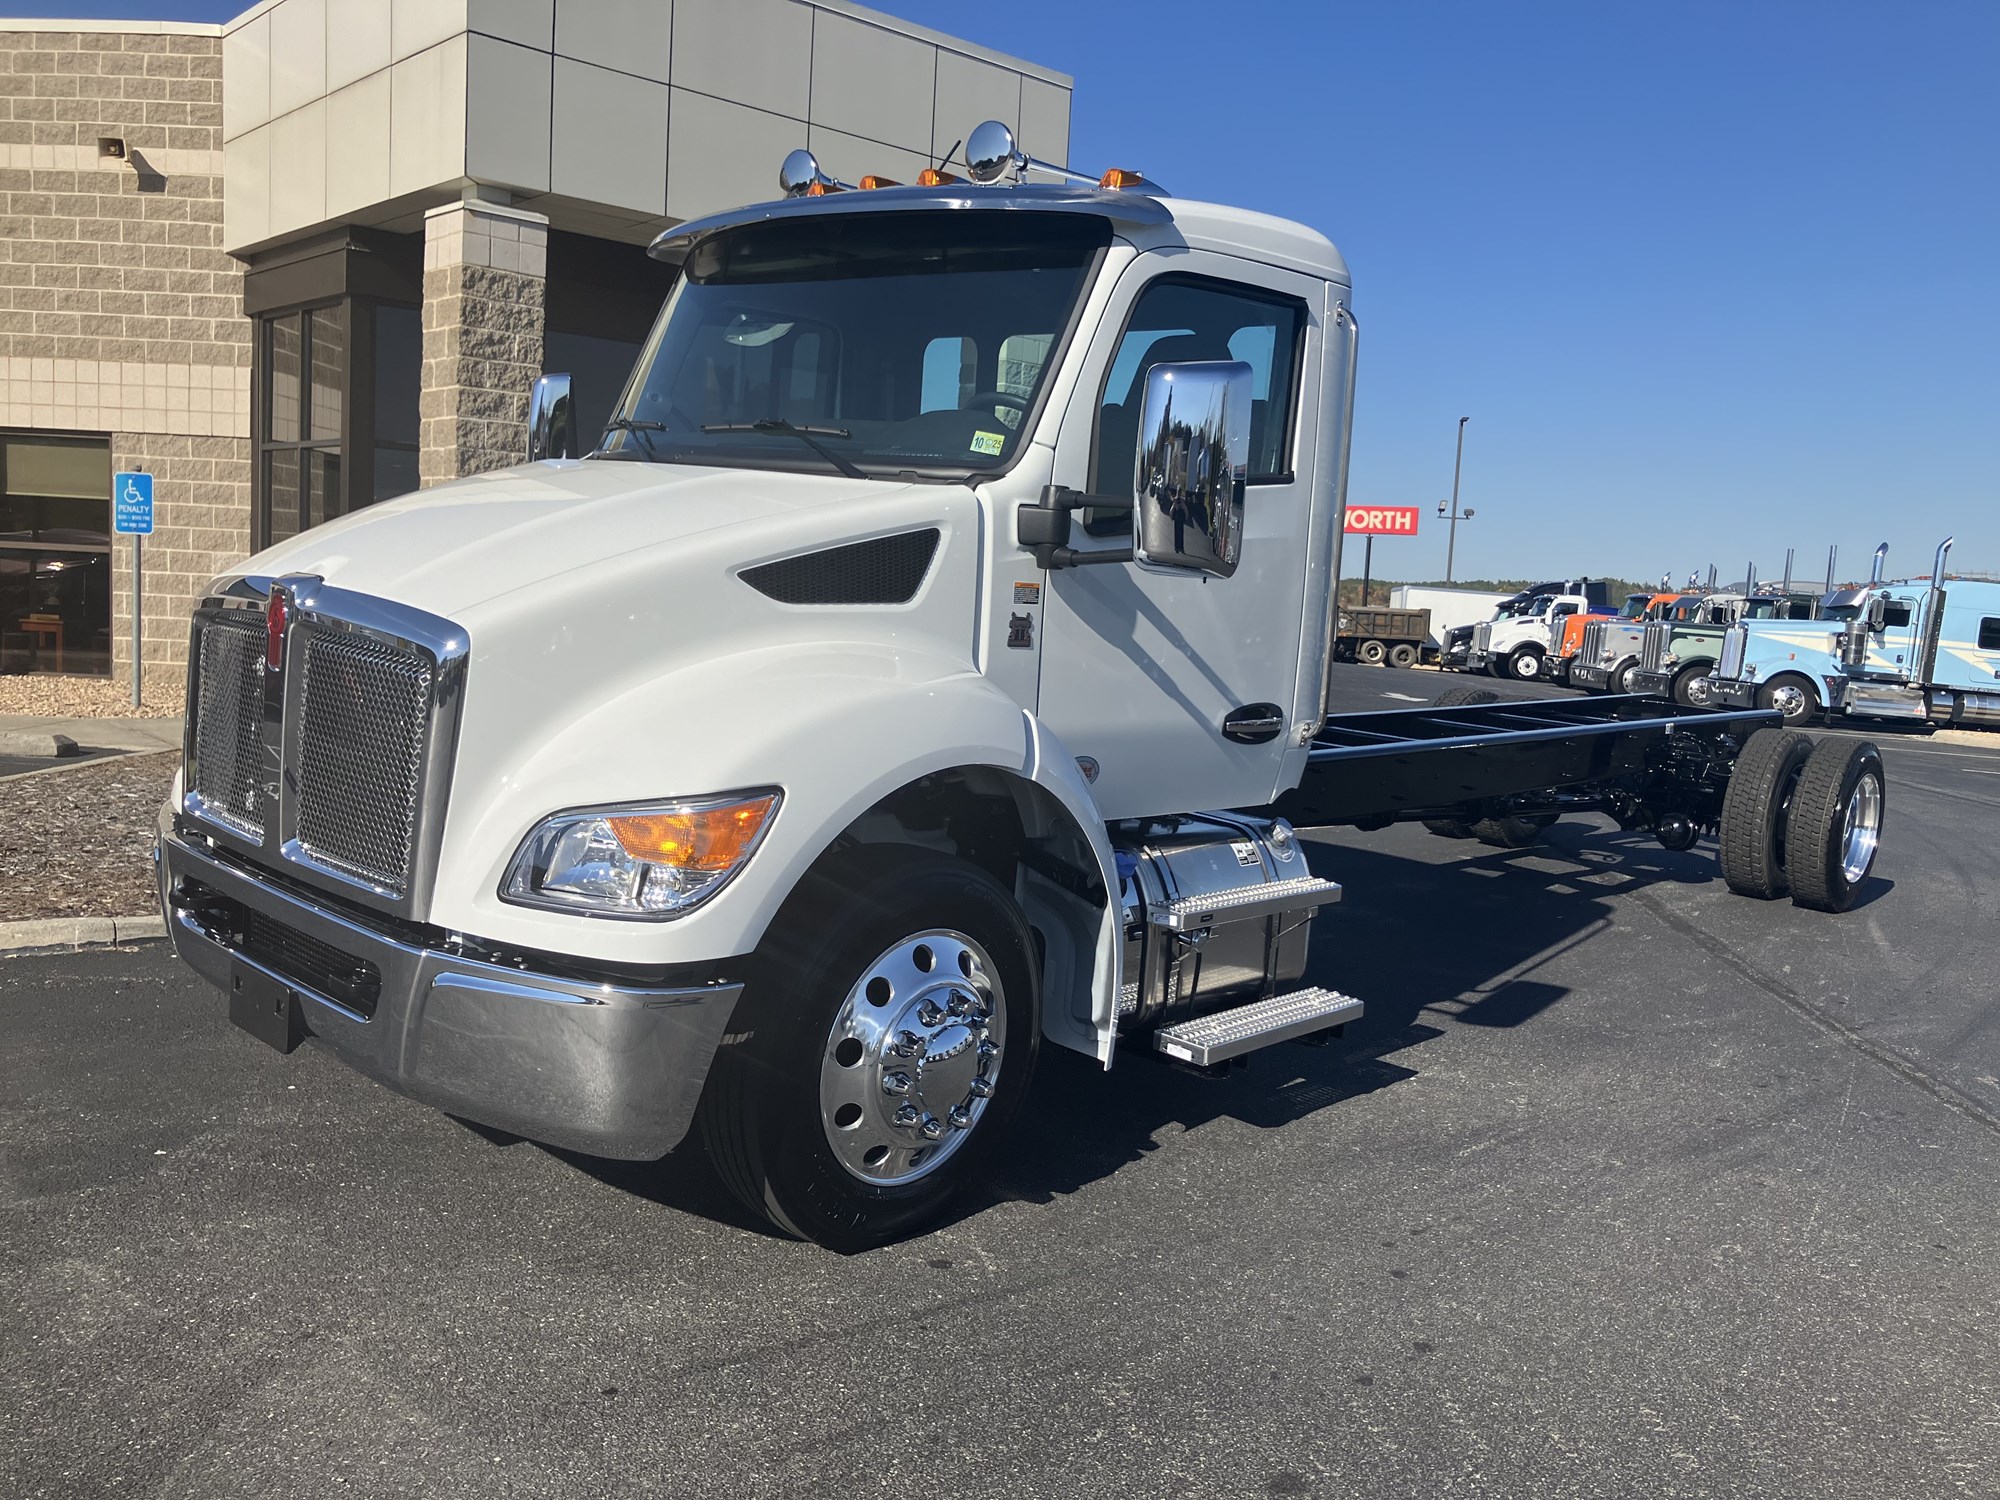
988	442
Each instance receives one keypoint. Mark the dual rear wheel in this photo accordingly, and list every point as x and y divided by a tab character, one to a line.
1802	818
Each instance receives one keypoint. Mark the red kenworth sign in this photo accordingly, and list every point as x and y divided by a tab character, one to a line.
1382	520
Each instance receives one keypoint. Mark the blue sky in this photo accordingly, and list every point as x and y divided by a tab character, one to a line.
1711	279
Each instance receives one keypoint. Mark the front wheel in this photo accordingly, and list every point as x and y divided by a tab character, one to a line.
1691	688
1628	678
886	1035
1792	696
1525	665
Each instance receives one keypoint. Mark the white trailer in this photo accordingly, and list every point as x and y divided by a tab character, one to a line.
1449	608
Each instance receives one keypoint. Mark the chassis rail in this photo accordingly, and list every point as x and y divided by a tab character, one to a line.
1644	760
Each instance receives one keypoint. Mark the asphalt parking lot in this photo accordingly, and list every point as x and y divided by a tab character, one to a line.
1625	1186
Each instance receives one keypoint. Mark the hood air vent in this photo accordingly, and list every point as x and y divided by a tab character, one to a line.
887	570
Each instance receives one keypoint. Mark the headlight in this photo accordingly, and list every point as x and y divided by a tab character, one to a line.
1749	672
1669	659
646	861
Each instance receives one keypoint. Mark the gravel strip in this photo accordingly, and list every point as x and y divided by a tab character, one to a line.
92	697
76	843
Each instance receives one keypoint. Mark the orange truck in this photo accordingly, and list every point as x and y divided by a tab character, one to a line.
1568	645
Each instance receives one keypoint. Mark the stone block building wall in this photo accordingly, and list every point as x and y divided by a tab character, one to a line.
120	314
485	270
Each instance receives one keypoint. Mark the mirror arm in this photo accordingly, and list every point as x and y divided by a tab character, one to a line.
1043	528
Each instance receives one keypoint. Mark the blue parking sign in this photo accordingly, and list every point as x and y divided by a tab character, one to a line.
132	504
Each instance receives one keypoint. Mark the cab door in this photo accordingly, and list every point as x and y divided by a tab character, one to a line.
1184	688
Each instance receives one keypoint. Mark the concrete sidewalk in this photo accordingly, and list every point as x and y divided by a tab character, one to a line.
100	734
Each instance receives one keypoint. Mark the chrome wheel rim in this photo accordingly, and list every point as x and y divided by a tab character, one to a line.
1861	829
1700	692
1789	701
912	1058
1527	667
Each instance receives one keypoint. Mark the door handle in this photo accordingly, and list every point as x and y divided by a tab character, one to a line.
1254	723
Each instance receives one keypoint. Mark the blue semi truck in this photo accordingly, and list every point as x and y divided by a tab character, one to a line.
1925	649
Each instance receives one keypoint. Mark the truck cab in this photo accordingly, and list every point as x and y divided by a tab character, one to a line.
1607	652
840	728
1924	649
1516	641
1678	651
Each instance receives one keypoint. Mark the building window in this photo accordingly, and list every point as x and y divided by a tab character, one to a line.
55	554
337	411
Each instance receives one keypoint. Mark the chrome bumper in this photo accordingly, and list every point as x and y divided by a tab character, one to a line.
1475	661
1583	674
612	1070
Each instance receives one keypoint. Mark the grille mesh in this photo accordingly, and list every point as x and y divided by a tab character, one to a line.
364	712
1653	649
228	713
887	570
1482	635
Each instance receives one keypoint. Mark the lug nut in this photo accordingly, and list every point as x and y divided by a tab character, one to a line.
905	1117
931	1128
929	1013
908	1044
896	1083
961	1003
980	1088
988	1048
960	1117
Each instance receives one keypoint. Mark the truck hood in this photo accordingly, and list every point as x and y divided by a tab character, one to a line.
471	541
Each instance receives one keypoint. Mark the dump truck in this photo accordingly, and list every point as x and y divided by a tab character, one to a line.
798	763
1376	637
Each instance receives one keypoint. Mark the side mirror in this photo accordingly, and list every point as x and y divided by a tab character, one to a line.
551	419
1194	448
1878	612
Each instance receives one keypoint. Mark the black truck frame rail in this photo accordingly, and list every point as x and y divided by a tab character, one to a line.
1647	763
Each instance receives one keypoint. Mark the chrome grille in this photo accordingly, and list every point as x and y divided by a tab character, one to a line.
228	711
364	715
1592	649
1653	646
1735	644
1482	635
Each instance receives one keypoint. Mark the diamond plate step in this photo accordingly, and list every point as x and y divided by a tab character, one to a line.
1230	1033
1244	904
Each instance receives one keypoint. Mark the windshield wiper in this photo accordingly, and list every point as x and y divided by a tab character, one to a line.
638	429
810	436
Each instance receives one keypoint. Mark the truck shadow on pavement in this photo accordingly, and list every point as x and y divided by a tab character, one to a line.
1426	943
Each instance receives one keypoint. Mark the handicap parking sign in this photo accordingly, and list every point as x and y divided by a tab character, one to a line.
132	504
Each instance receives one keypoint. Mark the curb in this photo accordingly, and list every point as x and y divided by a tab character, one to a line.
73	934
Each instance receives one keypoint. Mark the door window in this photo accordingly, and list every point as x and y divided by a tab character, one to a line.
1896	615
1989	634
1183	318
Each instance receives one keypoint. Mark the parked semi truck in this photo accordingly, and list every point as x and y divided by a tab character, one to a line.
1925	649
1457	648
1678	651
1607	650
1375	636
1515	642
854	720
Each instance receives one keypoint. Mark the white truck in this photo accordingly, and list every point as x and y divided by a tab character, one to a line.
1451	609
922	669
1513	643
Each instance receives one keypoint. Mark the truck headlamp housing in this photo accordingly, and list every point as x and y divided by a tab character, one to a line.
644	862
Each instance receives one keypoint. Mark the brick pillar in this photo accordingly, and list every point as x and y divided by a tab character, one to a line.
485	270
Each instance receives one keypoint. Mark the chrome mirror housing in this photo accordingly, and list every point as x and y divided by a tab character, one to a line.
551	419
1194	449
990	152
798	174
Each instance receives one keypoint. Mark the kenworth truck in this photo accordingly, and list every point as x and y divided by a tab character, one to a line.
1607	651
1455	643
1516	640
1678	651
928	665
1925	649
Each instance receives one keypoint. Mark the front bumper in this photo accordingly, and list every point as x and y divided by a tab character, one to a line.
610	1069
1583	674
1730	694
1477	661
1652	682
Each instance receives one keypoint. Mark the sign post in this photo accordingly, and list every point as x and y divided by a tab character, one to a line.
1371	521
132	515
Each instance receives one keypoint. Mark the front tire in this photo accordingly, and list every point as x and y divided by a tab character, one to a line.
1690	689
1525	665
1628	678
1836	824
884	1039
1791	695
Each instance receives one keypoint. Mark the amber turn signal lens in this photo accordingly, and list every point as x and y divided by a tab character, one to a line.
932	177
871	181
821	189
710	840
1122	177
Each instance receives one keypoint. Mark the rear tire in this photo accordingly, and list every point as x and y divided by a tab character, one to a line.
1836	824
1511	832
818	1022
1458	697
1755	810
1404	656
1791	695
1370	653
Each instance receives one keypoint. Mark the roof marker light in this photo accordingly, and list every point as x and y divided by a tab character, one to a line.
932	177
871	182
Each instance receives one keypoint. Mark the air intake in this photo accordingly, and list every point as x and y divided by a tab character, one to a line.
887	570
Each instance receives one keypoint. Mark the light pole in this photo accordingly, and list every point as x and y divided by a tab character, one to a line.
1457	467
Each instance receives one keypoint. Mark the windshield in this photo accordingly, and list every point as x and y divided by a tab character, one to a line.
1841	612
1636	606
887	343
